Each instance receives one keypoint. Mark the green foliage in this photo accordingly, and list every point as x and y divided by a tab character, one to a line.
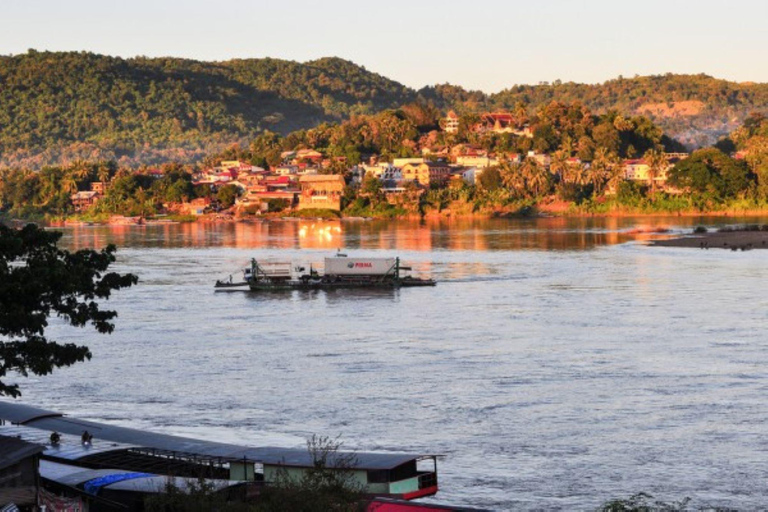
277	205
490	179
711	173
643	502
328	486
37	279
715	107
63	106
227	194
316	213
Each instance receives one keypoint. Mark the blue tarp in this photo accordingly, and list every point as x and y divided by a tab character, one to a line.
95	485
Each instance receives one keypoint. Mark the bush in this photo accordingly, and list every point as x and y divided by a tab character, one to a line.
700	229
277	205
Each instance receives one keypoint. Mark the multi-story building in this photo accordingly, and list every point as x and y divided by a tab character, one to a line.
427	173
451	122
321	191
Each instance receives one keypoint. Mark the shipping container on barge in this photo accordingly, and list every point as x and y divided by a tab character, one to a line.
339	272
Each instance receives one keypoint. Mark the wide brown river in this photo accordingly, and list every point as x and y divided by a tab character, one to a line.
557	364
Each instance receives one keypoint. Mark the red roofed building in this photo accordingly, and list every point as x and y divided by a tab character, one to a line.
497	122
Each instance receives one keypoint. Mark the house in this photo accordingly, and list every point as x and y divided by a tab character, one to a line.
19	472
542	159
84	199
384	172
400	162
476	161
279	182
99	186
286	170
308	155
237	165
197	206
635	170
497	122
427	173
451	122
639	170
472	174
321	191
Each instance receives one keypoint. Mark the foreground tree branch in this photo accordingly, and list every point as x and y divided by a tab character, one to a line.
37	280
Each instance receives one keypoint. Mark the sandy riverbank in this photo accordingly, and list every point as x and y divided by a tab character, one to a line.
733	240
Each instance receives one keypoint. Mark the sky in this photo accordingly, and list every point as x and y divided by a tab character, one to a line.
478	44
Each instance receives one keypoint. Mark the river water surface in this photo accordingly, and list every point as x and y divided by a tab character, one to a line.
557	364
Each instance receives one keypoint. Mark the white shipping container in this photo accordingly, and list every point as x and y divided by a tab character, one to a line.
358	266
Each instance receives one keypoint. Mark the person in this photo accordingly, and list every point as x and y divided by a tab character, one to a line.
55	438
86	437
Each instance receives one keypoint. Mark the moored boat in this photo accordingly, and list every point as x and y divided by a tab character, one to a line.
339	271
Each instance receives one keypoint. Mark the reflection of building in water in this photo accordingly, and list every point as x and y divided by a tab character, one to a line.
320	235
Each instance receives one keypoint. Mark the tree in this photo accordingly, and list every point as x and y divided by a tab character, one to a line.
104	173
713	173
37	279
489	179
657	162
329	485
227	195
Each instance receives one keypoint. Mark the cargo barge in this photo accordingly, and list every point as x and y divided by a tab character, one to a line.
339	272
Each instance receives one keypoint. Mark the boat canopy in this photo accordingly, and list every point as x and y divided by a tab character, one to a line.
126	438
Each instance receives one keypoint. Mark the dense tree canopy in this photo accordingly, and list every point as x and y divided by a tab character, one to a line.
711	172
37	280
59	107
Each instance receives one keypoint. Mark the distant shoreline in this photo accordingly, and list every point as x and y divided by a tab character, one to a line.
735	240
445	215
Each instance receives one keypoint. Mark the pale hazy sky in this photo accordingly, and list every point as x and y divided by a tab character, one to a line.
479	44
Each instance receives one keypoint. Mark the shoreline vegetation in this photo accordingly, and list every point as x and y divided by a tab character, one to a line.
412	163
455	210
119	220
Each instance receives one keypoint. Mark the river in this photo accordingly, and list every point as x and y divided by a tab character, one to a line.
558	363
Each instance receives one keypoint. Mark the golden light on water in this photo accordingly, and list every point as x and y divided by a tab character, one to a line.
319	234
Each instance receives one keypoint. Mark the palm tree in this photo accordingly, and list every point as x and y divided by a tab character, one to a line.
103	173
69	183
567	146
559	164
539	179
657	163
512	177
599	171
574	173
80	170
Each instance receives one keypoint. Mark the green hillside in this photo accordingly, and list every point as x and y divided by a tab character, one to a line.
62	107
695	109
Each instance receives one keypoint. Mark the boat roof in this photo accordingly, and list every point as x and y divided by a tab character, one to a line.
13	449
108	437
74	476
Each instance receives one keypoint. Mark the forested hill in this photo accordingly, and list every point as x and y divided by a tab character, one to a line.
60	107
63	106
695	109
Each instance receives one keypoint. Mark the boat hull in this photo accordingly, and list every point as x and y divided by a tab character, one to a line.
263	285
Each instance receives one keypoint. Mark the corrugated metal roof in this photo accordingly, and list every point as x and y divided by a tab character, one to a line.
21	413
52	421
70	447
13	450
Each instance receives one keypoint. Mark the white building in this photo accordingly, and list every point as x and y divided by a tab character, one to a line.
476	161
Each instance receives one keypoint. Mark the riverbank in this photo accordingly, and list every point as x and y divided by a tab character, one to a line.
562	210
734	240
